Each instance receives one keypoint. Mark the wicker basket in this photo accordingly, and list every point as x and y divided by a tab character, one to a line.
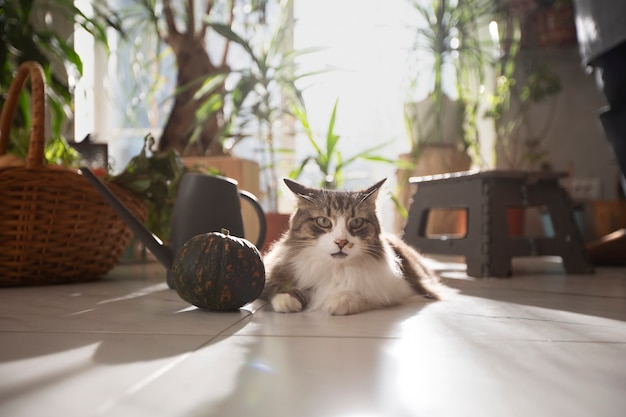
54	226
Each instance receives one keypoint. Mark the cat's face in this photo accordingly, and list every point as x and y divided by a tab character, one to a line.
336	225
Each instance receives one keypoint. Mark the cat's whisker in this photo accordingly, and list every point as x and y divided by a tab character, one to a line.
375	252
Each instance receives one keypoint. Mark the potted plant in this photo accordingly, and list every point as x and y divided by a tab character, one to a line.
523	80
200	124
201	60
265	89
442	130
326	157
447	40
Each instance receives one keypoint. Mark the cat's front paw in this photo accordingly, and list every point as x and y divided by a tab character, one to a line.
345	303
286	303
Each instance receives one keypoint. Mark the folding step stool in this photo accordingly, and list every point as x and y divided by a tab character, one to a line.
486	196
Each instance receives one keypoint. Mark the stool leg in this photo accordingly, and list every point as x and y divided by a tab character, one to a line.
488	230
495	260
567	240
415	224
477	256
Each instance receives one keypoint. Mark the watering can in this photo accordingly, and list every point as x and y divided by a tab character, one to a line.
204	204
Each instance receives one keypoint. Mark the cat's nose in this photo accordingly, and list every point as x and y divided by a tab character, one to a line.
341	243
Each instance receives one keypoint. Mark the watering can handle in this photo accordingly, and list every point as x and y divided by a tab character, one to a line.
252	200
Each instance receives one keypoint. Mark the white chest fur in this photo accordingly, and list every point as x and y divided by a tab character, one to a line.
378	281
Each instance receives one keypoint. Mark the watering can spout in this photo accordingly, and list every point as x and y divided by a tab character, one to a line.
204	204
161	252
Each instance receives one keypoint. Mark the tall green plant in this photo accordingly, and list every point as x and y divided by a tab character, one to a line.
327	156
265	88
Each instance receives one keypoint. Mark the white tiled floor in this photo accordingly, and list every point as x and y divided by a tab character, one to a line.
539	344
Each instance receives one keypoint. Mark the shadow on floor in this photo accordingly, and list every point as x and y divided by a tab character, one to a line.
544	284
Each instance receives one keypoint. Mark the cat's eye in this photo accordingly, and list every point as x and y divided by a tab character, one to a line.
324	222
356	223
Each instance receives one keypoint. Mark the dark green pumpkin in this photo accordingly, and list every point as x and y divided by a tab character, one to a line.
216	271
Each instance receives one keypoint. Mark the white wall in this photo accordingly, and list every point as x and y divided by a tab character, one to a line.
576	141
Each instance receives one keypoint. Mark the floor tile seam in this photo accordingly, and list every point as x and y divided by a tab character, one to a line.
576	294
92	332
574	323
450	337
592	342
224	333
549	341
300	336
545	292
213	335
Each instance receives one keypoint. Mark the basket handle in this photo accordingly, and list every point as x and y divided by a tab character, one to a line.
37	141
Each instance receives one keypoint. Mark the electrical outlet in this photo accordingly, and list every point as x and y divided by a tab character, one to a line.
586	188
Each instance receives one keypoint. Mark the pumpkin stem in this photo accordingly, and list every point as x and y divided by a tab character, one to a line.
225	231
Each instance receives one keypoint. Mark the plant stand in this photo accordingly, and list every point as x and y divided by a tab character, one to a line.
488	246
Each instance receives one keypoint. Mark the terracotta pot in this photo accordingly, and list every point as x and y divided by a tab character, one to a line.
277	224
434	159
451	223
550	26
516	224
608	216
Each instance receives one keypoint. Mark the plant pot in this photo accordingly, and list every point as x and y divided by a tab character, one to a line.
451	223
608	216
277	225
422	116
433	159
550	26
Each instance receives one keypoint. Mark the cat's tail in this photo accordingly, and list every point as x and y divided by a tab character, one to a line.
422	278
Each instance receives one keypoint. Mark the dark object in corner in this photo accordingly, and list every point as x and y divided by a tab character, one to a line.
609	250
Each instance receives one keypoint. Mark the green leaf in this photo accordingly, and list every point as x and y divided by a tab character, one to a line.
331	137
210	84
228	33
295	173
301	115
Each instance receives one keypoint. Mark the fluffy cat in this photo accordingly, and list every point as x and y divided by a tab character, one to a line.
334	257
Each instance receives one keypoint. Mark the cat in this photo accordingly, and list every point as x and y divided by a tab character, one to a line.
334	257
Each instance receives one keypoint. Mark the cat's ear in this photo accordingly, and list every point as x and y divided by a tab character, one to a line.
298	189
372	192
